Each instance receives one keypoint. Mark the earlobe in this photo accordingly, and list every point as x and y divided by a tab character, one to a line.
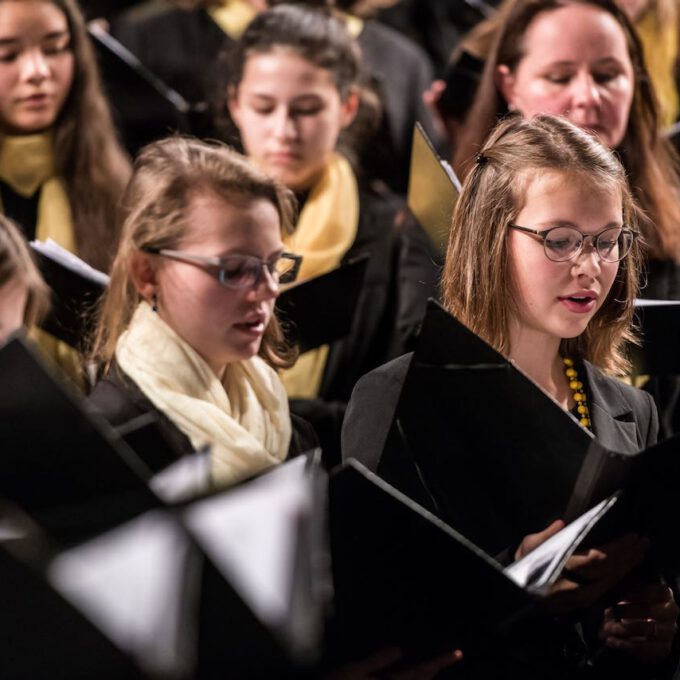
144	275
505	83
350	107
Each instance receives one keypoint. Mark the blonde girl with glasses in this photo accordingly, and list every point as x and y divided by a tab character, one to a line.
542	263
187	327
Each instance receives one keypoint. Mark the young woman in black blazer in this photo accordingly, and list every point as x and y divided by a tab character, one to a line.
542	264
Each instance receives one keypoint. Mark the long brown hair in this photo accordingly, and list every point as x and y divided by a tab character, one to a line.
16	264
88	156
477	283
167	176
649	159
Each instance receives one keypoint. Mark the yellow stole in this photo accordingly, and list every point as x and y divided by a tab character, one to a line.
660	47
326	230
26	165
233	16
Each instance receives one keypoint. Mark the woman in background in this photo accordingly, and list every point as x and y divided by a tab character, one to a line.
61	168
583	59
292	91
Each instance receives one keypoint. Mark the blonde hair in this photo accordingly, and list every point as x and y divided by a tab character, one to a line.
16	263
167	176
477	282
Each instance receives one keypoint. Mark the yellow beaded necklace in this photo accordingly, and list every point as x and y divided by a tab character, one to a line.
579	393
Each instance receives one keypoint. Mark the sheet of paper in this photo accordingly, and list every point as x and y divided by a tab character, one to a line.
70	261
538	570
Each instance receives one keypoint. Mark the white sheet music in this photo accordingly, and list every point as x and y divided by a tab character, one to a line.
539	569
67	259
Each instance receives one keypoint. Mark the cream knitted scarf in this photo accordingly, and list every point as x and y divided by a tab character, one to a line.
244	416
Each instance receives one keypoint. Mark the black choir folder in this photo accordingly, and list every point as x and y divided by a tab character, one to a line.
145	108
403	577
659	322
321	310
67	469
433	189
229	585
477	441
150	588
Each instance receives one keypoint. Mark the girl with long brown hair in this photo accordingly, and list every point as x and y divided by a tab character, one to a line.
62	170
542	264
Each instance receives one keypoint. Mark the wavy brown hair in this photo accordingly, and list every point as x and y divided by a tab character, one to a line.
167	176
477	285
88	156
648	157
16	264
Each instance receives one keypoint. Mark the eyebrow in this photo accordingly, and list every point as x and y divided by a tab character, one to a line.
53	35
566	223
599	62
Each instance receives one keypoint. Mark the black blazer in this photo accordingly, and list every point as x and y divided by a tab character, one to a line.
624	418
120	400
401	275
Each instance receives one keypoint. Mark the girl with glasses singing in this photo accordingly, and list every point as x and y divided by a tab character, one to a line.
187	326
542	264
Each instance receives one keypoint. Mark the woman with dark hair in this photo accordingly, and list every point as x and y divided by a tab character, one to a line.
583	59
293	91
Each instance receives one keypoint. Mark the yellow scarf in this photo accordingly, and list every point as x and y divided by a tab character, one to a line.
326	230
233	16
243	417
27	164
660	47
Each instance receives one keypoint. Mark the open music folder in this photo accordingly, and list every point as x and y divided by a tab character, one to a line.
497	458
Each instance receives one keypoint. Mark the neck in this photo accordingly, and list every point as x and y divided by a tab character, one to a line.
539	357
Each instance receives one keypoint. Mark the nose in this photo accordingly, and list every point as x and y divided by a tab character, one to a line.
283	124
34	66
588	261
585	92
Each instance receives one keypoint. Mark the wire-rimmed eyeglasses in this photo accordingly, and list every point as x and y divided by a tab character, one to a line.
565	243
237	272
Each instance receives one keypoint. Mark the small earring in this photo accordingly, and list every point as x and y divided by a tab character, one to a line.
154	303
